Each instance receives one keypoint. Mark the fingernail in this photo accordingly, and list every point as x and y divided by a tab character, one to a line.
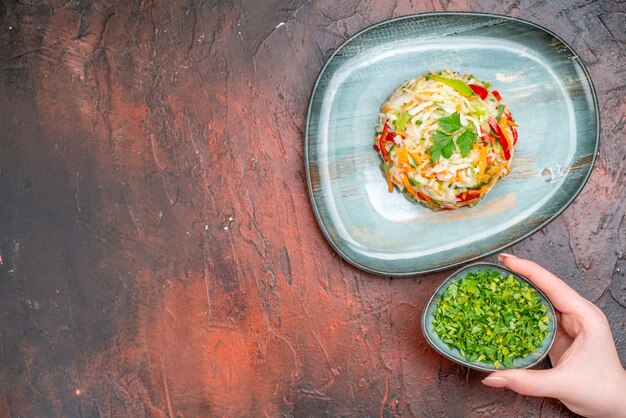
503	256
495	381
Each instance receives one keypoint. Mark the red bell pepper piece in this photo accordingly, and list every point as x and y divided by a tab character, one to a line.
468	195
381	141
501	138
424	198
514	135
385	136
479	90
496	94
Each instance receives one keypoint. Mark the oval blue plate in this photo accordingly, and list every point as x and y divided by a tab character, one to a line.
551	97
453	354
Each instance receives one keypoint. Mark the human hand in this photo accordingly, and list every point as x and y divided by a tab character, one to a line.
587	375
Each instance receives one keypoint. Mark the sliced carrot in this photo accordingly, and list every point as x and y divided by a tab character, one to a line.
409	104
416	157
482	160
407	184
401	152
424	197
503	126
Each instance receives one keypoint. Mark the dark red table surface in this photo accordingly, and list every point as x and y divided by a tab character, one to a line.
160	256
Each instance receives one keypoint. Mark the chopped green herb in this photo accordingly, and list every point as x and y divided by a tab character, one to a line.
400	122
491	318
385	167
478	186
500	111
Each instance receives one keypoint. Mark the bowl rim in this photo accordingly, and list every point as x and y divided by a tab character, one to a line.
446	282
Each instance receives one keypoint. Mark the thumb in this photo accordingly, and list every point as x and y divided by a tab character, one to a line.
527	382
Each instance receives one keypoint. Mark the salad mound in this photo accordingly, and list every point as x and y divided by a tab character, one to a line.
445	139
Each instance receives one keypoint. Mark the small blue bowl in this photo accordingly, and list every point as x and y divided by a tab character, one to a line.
454	354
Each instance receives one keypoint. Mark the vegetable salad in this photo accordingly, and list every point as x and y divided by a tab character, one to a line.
446	139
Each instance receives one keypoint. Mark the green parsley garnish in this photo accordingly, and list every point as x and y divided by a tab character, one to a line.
465	141
443	139
450	123
490	318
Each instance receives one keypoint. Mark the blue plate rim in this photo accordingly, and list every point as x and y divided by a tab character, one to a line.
488	253
467	363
